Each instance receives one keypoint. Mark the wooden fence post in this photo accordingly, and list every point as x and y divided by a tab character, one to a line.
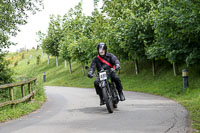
29	90
22	90
34	88
11	96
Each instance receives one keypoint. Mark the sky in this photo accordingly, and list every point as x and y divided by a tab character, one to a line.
26	38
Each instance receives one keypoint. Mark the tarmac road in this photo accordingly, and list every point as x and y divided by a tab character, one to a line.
77	110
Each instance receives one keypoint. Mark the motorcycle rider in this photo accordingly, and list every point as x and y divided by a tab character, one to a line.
106	61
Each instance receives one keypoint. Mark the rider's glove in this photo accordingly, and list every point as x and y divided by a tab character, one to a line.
117	67
90	74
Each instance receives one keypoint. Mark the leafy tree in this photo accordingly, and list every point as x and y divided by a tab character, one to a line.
133	24
79	51
13	14
177	31
65	41
52	41
41	37
79	35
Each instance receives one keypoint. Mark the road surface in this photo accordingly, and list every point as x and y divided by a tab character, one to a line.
77	110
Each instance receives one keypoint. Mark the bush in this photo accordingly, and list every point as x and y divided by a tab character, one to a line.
5	72
16	63
22	56
38	59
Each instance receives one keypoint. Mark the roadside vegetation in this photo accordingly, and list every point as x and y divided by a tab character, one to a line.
21	72
13	15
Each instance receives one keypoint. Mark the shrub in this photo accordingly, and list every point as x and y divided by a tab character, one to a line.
38	59
5	72
22	56
16	63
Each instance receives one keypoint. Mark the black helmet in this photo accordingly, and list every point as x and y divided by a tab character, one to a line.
101	46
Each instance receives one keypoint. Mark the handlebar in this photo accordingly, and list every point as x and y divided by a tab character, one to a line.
107	71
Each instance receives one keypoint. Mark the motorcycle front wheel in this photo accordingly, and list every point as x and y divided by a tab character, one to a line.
108	99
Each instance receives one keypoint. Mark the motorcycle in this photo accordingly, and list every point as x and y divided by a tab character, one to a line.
109	90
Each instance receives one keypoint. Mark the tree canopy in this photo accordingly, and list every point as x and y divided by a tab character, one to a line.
13	13
134	30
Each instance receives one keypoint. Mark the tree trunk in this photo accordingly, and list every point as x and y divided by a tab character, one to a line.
65	64
56	61
174	69
48	60
70	69
136	67
154	67
83	69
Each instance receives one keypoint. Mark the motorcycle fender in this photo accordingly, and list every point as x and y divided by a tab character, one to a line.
102	84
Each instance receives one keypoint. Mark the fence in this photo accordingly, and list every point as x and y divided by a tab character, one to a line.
22	84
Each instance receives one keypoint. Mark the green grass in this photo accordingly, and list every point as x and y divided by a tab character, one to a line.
12	112
22	70
163	84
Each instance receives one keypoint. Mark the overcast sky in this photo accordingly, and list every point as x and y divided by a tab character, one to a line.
27	37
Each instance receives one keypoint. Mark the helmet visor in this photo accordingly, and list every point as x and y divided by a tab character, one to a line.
101	48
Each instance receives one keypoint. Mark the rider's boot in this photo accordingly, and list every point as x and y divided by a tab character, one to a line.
102	102
121	96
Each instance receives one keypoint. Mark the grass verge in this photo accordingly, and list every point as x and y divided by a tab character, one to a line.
12	112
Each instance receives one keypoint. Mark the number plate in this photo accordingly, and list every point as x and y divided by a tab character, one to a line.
102	76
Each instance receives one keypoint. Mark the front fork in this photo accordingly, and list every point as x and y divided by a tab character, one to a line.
105	84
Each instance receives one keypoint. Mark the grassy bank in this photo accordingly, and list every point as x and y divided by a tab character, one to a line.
164	83
20	73
16	111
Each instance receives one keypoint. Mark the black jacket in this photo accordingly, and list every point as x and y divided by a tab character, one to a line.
96	63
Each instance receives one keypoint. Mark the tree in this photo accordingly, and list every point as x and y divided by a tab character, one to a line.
177	31
79	35
134	28
52	41
13	14
65	41
41	37
79	51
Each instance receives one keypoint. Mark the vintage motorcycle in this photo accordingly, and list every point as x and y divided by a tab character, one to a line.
109	90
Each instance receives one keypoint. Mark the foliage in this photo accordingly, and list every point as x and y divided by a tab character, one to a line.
80	49
13	14
51	42
5	72
38	59
132	29
177	30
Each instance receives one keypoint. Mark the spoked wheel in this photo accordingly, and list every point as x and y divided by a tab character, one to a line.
108	99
